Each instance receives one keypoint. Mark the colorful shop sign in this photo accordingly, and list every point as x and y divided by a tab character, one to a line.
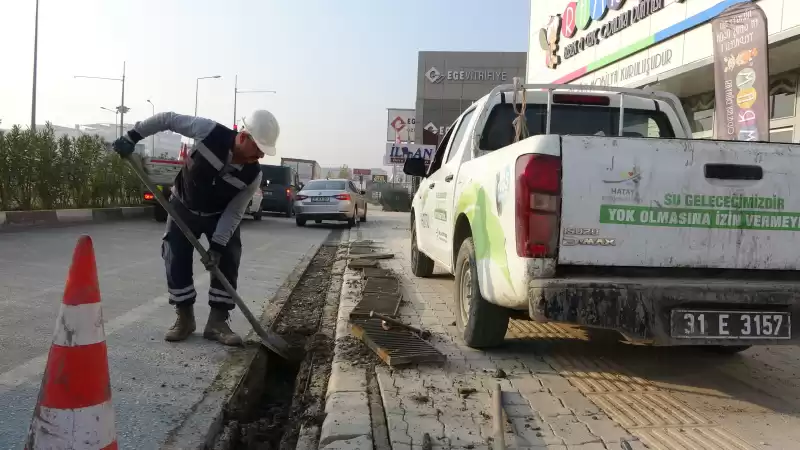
580	14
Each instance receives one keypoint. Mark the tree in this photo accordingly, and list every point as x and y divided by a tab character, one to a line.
344	172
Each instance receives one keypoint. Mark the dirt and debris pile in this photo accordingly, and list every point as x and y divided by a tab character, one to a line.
290	396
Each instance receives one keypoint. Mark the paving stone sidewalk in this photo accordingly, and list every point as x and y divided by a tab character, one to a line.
452	402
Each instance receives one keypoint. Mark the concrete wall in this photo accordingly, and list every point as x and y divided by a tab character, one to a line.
448	82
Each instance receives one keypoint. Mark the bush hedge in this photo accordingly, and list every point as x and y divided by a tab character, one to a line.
40	171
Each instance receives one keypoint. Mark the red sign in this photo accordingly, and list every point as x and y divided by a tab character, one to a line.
398	124
362	172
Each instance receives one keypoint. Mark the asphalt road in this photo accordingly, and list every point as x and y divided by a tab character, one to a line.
154	383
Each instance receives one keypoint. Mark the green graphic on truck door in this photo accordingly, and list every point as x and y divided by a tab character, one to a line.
487	231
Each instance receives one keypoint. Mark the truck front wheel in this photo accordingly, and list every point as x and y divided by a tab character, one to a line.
421	265
482	324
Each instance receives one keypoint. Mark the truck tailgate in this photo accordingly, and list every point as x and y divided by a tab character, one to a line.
679	203
162	171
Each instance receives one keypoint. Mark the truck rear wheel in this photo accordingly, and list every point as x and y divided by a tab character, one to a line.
421	265
482	324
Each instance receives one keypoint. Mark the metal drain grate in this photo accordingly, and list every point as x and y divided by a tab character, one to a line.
382	286
386	304
396	347
361	250
377	272
362	263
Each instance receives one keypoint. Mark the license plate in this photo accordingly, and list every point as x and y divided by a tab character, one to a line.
320	199
730	324
268	194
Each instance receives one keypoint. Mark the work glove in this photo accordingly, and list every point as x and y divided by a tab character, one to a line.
124	146
213	259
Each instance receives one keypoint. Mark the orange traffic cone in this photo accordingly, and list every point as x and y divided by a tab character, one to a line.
74	408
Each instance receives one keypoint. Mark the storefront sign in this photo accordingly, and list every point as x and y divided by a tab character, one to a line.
655	63
741	73
464	74
399	153
580	14
400	124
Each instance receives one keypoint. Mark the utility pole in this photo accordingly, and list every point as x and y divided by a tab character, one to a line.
35	64
121	109
122	104
153	142
236	93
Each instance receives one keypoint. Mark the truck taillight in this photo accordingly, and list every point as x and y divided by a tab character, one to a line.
288	193
538	185
149	196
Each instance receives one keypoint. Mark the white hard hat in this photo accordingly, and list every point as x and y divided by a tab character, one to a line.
263	127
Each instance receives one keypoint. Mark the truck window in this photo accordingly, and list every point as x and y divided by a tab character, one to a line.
576	120
438	155
461	133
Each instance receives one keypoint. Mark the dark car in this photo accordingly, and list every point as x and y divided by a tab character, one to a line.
279	185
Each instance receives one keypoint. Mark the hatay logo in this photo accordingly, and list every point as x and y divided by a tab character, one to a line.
434	76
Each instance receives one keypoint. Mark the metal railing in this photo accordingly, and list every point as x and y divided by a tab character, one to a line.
645	93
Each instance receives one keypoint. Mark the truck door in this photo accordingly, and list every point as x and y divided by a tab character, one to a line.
444	187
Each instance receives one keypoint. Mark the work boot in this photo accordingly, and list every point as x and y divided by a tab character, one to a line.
184	325
217	328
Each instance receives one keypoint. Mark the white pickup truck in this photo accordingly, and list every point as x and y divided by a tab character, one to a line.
627	225
162	173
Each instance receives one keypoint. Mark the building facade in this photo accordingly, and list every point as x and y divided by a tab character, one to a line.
665	44
448	83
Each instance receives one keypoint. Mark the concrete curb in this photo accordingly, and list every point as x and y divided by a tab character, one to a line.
348	423
16	220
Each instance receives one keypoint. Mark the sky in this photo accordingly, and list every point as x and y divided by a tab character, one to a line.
336	65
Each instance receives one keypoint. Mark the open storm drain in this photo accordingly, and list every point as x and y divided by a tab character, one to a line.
282	397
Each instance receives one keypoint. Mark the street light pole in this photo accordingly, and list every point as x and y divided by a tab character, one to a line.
197	89
236	93
153	150
116	117
35	64
121	109
122	104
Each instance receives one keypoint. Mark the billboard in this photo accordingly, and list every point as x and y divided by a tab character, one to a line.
362	172
398	153
401	122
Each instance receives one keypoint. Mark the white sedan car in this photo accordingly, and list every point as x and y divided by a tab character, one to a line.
338	200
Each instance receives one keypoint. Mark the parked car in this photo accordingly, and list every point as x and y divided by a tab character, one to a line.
254	209
278	186
337	200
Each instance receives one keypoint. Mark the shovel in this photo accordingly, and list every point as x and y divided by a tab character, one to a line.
271	340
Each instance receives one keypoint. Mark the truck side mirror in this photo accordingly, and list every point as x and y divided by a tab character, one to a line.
414	167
